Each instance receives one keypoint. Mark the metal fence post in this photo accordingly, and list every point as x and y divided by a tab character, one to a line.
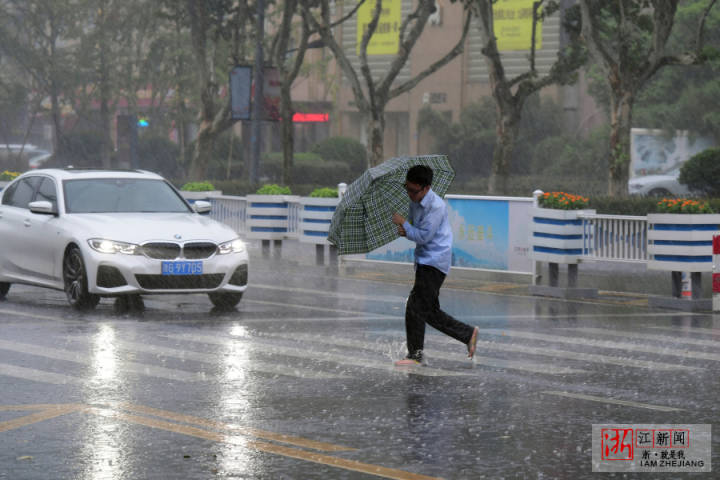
716	274
536	266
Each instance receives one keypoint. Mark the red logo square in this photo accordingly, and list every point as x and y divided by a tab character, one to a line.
617	443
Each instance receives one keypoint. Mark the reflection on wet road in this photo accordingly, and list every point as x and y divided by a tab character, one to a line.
299	382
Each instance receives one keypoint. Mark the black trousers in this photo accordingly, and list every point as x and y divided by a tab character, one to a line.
423	307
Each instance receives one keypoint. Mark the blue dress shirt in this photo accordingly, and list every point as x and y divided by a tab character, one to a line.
429	227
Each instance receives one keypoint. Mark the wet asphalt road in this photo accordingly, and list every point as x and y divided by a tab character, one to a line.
298	383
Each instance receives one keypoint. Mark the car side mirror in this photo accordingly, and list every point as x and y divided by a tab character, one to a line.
42	207
202	207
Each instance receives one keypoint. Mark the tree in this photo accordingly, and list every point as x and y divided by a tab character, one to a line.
32	34
627	40
217	30
373	94
510	94
289	68
682	98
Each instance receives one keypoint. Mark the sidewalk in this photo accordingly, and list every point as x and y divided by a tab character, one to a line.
618	283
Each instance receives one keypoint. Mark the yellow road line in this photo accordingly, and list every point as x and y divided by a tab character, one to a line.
289	439
342	463
45	414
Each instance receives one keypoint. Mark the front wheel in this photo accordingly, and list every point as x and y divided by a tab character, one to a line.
659	192
4	287
75	280
225	300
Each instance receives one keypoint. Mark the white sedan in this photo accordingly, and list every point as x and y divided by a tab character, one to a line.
115	233
661	185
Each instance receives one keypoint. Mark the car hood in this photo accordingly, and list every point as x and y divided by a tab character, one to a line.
144	227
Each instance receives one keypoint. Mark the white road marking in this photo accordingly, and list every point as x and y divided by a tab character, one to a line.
37	375
75	357
534	367
30	314
351	359
688	329
309	307
647	336
612	401
552	352
328	293
634	347
255	365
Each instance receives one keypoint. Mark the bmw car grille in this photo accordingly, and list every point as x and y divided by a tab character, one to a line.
170	251
163	251
198	250
180	282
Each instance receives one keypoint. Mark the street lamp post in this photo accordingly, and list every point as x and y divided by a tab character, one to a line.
257	109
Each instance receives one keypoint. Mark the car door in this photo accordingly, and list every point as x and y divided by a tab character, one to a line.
43	234
16	231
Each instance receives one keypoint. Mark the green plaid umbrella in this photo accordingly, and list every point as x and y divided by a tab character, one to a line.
362	220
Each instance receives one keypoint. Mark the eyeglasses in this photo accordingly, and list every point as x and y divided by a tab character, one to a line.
413	191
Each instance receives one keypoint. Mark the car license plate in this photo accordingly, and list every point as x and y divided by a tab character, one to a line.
182	268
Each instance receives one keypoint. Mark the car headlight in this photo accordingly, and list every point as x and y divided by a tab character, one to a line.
233	246
634	187
103	245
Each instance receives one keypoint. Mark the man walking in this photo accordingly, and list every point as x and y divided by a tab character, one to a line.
430	229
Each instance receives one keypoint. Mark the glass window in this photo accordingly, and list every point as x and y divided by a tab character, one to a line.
47	192
8	193
108	195
23	192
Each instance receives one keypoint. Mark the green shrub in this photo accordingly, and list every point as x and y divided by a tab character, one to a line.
308	168
273	189
702	172
324	192
7	176
198	186
343	150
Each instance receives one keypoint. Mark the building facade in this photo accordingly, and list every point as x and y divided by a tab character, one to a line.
463	81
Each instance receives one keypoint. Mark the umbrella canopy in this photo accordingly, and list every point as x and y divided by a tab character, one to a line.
362	220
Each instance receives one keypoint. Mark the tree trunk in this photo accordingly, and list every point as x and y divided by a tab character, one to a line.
202	152
620	125
287	133
376	137
508	127
58	140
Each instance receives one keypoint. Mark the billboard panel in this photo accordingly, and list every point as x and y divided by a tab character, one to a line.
513	23
386	39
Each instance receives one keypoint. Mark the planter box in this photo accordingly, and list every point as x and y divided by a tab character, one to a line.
267	216
681	242
315	217
557	235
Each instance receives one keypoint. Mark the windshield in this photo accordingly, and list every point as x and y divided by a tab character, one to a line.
106	195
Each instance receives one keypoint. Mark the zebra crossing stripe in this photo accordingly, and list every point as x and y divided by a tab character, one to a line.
634	347
646	336
310	307
570	355
75	357
24	373
255	365
613	401
324	356
685	329
534	367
